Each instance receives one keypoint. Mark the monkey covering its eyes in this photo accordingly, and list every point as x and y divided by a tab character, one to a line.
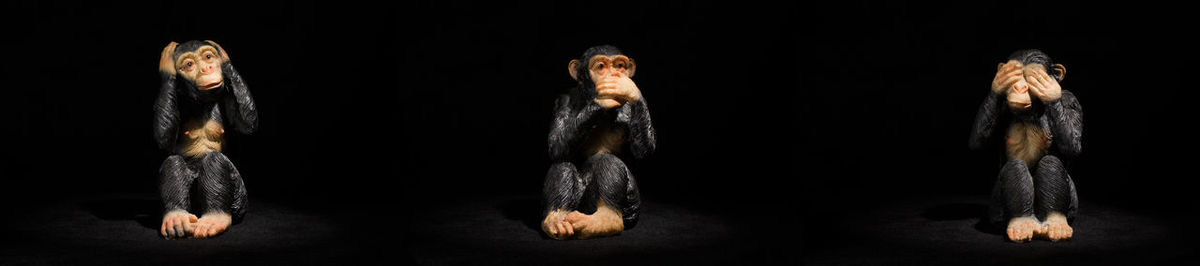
1033	196
589	192
200	94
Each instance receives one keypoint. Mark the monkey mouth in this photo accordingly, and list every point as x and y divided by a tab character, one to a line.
1020	105
211	85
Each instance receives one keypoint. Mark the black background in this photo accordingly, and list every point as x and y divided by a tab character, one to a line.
769	114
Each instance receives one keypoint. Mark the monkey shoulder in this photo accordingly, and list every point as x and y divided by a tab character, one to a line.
1069	101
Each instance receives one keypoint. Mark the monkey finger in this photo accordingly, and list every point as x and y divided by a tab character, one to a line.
614	94
168	230
1013	79
1045	77
1037	89
562	230
180	230
607	93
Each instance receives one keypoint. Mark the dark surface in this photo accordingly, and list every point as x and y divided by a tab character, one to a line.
949	231
506	230
123	230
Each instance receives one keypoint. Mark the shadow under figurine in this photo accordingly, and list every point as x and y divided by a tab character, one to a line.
589	191
201	93
1042	124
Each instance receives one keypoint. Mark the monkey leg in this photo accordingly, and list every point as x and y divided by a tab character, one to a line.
1055	200
614	184
1012	201
175	185
608	199
222	191
562	191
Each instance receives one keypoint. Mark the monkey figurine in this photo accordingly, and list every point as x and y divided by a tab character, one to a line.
1042	124
589	191
201	93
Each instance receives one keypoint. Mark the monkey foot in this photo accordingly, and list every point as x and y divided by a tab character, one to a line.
604	222
1021	229
555	225
1055	228
177	224
212	224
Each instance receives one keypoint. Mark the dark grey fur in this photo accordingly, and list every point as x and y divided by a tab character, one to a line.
1023	190
208	182
576	180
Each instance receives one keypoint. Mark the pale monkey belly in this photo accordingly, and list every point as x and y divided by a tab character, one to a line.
203	139
604	139
1027	142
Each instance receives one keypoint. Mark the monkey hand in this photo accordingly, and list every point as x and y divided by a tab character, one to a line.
166	63
614	92
1006	75
1041	84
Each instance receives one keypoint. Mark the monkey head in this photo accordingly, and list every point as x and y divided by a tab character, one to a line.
198	63
1032	63
601	63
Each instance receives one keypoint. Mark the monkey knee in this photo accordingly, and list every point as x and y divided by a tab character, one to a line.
1052	173
561	173
605	159
174	165
610	180
562	188
215	159
607	166
1050	164
1014	165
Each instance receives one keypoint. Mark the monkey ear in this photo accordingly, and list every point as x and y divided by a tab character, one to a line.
573	68
224	55
632	67
1060	70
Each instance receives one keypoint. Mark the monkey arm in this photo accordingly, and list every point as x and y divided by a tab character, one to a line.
635	117
570	128
985	120
239	106
1066	122
166	113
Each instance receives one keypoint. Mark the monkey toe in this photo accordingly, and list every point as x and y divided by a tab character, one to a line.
177	224
1055	228
212	225
1021	229
558	230
1058	231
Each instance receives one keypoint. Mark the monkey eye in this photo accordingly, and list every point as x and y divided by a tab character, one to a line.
599	66
209	56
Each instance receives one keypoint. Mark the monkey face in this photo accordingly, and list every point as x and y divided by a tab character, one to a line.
602	67
201	67
1018	96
